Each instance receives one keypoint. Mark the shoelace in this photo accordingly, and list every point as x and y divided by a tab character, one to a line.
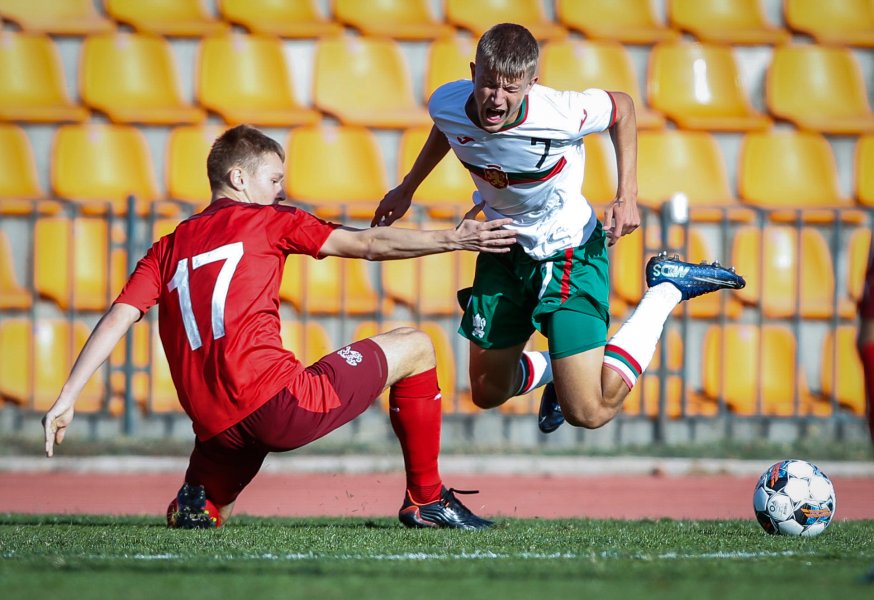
458	505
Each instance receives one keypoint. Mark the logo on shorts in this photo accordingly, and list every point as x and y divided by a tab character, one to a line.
352	357
479	325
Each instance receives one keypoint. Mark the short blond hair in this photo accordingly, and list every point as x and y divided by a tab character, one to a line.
509	50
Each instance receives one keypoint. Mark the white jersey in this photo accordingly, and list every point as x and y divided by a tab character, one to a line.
532	169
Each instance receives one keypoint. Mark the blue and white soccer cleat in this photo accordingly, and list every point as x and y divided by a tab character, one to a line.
445	512
549	417
691	279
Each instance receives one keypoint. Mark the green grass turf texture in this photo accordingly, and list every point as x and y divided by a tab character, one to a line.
106	557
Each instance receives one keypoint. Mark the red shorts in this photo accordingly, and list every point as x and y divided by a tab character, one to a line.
327	394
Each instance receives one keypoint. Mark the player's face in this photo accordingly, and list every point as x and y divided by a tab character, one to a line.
498	98
265	185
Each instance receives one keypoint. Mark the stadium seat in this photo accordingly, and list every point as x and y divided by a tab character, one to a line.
858	259
132	78
74	265
37	358
365	81
69	17
261	91
842	375
307	339
446	193
151	383
448	60
187	18
600	178
579	65
331	286
733	22
626	21
185	168
698	86
311	177
688	162
843	23
20	189
12	294
865	170
285	18
399	19
798	276
819	88
99	164
478	17
32	83
757	376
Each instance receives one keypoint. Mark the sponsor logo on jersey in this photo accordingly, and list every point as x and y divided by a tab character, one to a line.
479	325
495	177
352	357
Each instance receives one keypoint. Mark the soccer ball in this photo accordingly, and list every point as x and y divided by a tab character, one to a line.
793	497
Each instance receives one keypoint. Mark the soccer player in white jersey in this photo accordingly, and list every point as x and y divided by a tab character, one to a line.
523	145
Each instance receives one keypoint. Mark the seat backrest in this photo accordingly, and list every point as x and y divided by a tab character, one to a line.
841	369
830	21
70	17
308	340
627	21
600	178
187	149
18	177
448	60
405	19
12	294
865	169
287	18
331	286
479	16
166	17
734	21
858	260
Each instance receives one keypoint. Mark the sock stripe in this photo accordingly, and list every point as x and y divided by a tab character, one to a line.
619	354
622	369
527	374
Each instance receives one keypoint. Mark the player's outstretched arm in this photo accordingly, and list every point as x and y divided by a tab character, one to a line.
112	326
383	243
396	202
622	216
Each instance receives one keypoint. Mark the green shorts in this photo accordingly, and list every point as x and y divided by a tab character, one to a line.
565	297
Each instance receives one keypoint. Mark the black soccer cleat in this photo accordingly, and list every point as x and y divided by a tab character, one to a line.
549	418
692	280
445	512
191	510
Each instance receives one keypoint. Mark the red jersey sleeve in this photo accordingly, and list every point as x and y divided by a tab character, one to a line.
300	232
143	288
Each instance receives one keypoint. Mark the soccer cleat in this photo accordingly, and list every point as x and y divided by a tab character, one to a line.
445	512
549	418
692	280
192	510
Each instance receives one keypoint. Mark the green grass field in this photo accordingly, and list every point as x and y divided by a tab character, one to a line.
101	557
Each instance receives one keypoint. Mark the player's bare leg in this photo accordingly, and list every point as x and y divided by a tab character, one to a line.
494	374
589	394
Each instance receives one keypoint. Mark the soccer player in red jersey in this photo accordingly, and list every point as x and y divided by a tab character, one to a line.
216	281
866	339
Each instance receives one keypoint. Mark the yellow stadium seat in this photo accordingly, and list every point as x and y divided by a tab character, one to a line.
698	86
261	91
865	170
798	276
448	60
32	83
74	265
858	259
600	178
331	286
842	375
166	17
68	17
132	78
285	18
819	88
725	21
307	339
757	377
187	149
579	65
626	21
151	383
478	17
400	19
318	154
37	358
365	81
20	190
12	294
96	164
843	22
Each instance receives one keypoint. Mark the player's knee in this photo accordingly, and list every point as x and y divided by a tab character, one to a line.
419	347
485	394
587	414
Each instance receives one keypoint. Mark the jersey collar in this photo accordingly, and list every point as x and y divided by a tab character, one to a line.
470	111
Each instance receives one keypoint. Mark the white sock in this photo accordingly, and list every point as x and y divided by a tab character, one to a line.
630	351
536	371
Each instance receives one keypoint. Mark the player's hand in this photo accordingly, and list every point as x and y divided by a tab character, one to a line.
392	207
55	423
485	236
621	218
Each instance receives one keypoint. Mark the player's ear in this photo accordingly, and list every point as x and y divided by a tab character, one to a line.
472	72
236	178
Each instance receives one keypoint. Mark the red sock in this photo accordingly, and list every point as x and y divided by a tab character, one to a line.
416	411
867	355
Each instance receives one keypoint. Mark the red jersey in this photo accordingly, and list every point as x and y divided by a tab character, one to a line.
216	282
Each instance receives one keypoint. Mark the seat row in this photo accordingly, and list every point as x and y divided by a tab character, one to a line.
133	78
628	21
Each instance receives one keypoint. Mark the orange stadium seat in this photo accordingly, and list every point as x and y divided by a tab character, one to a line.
400	19
819	88
365	81
70	17
132	78
626	21
757	377
151	383
865	170
478	17
600	178
99	164
307	339
331	286
448	60
579	65
74	265
32	83
698	86
311	177
12	294
261	91
798	276
187	149
166	17
725	21
20	189
858	259
37	357
842	375
847	22
285	18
